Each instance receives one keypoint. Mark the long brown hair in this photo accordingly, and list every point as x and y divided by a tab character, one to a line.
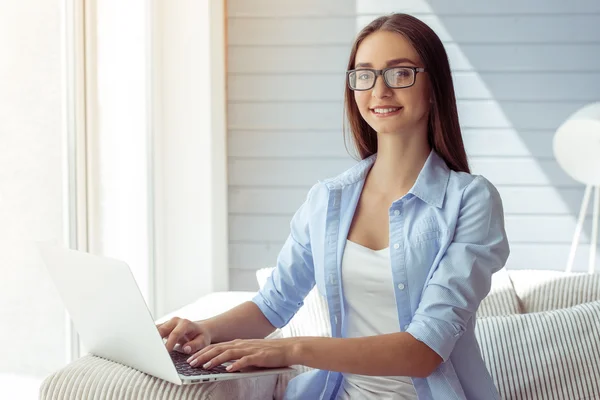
444	133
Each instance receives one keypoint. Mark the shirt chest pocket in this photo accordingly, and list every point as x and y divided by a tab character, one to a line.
425	233
424	244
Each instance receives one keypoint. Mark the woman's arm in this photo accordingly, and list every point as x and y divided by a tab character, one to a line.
463	276
245	321
395	354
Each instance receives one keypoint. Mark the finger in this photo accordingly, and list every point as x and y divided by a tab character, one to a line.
192	346
202	356
232	354
243	362
165	329
209	352
175	336
183	339
206	349
179	346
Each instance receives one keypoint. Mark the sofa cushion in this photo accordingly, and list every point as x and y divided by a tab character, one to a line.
542	290
542	355
502	298
93	377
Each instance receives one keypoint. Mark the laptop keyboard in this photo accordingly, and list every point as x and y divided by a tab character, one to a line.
184	368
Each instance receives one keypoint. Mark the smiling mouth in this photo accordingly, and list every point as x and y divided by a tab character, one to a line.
385	112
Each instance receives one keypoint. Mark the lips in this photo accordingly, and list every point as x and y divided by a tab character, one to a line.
383	111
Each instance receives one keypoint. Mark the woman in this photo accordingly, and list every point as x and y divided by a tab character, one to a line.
403	245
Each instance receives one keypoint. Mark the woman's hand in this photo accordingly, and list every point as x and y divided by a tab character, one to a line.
269	353
184	334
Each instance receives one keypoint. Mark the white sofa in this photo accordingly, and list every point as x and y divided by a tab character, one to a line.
539	333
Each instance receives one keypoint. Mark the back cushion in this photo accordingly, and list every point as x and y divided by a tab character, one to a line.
502	298
542	290
544	355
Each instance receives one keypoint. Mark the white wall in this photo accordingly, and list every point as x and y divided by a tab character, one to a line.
520	69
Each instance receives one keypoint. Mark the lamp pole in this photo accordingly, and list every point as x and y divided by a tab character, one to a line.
594	240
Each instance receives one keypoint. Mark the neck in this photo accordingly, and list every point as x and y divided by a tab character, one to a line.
400	159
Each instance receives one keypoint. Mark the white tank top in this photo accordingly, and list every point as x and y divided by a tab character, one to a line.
370	310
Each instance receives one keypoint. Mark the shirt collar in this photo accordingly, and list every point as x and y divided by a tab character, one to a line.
430	185
432	181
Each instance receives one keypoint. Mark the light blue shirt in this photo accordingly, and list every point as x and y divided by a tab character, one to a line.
446	240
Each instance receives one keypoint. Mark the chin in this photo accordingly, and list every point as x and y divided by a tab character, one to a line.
394	127
389	128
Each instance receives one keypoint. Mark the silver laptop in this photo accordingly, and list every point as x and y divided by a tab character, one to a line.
113	321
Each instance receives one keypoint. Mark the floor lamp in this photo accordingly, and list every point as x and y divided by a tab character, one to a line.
576	147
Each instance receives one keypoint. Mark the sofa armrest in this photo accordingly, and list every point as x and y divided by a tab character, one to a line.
91	376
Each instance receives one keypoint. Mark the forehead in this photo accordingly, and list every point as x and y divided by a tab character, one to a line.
381	46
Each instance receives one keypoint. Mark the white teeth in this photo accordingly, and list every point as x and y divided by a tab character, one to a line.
384	110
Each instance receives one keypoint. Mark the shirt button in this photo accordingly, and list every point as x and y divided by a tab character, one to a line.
397	212
401	286
396	246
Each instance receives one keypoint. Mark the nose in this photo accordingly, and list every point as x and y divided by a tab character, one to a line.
381	90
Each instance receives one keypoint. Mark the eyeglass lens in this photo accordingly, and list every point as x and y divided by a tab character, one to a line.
395	78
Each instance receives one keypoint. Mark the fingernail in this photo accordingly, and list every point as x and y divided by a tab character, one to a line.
187	349
207	365
189	359
229	367
194	363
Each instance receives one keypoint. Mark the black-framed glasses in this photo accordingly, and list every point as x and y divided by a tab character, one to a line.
394	77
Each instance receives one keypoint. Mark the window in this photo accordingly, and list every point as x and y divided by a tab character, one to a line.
32	193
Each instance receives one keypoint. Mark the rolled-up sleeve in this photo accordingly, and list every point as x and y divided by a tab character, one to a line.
463	276
293	278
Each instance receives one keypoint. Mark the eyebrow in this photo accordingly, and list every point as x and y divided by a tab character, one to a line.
390	62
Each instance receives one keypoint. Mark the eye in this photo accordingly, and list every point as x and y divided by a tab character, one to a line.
402	73
364	76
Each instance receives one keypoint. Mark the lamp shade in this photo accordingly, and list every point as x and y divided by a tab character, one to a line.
576	145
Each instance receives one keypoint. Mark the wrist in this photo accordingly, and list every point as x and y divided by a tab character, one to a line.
298	351
210	329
